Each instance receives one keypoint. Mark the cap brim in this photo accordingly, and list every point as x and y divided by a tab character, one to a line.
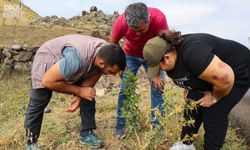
153	71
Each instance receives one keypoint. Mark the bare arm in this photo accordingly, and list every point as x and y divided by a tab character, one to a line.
220	75
53	80
75	101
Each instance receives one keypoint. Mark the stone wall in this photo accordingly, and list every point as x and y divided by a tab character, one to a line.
16	57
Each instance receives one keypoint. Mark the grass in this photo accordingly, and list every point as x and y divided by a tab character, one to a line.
27	13
61	130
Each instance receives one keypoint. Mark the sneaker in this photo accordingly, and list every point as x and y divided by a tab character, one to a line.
92	140
181	146
33	146
120	133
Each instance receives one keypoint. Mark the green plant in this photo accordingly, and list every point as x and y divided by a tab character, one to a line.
130	109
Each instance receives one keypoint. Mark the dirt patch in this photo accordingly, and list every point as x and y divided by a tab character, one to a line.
240	116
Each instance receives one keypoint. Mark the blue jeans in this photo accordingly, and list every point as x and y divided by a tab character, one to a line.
133	64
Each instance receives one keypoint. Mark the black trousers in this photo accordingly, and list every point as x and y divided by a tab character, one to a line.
214	119
39	99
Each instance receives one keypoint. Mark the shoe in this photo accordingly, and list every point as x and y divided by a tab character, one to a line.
120	133
180	146
92	140
33	146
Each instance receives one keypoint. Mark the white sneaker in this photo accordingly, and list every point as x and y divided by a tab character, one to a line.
180	146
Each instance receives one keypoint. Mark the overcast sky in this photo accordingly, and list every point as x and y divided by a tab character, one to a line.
225	18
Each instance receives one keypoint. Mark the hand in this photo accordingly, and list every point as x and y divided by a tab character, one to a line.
207	100
185	93
74	104
158	82
88	93
120	73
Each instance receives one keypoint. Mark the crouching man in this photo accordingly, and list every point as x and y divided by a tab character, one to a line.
70	64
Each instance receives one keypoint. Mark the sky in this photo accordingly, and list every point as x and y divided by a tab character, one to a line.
225	18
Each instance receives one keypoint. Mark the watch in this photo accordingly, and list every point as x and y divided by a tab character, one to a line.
214	100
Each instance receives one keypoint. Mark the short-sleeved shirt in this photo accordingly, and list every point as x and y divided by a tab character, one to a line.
133	44
70	62
54	50
196	52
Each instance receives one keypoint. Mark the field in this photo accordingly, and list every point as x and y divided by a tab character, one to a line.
61	129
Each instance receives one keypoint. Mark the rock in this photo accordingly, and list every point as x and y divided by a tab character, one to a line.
45	19
22	66
93	9
116	13
16	47
47	110
8	61
84	13
23	56
7	53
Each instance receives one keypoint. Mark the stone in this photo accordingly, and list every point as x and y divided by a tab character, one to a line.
16	47
47	110
84	13
93	8
22	66
7	53
23	56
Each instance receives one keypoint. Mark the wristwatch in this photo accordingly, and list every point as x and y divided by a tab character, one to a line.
214	100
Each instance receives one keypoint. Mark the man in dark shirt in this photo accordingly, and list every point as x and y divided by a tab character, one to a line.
214	71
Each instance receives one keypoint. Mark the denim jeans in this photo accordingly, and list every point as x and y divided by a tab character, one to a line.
133	64
39	99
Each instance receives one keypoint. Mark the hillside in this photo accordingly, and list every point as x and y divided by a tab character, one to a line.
27	14
61	129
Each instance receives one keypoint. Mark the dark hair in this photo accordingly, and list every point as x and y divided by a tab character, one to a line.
113	54
136	13
172	37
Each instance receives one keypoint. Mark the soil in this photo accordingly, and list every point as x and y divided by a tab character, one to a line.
240	117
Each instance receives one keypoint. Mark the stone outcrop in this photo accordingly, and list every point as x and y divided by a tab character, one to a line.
95	20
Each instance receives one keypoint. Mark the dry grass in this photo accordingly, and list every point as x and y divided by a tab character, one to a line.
33	36
61	130
27	13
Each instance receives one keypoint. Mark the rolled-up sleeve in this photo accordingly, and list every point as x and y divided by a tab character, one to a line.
70	62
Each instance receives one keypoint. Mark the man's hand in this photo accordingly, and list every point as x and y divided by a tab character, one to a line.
120	73
74	104
207	100
88	93
158	82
